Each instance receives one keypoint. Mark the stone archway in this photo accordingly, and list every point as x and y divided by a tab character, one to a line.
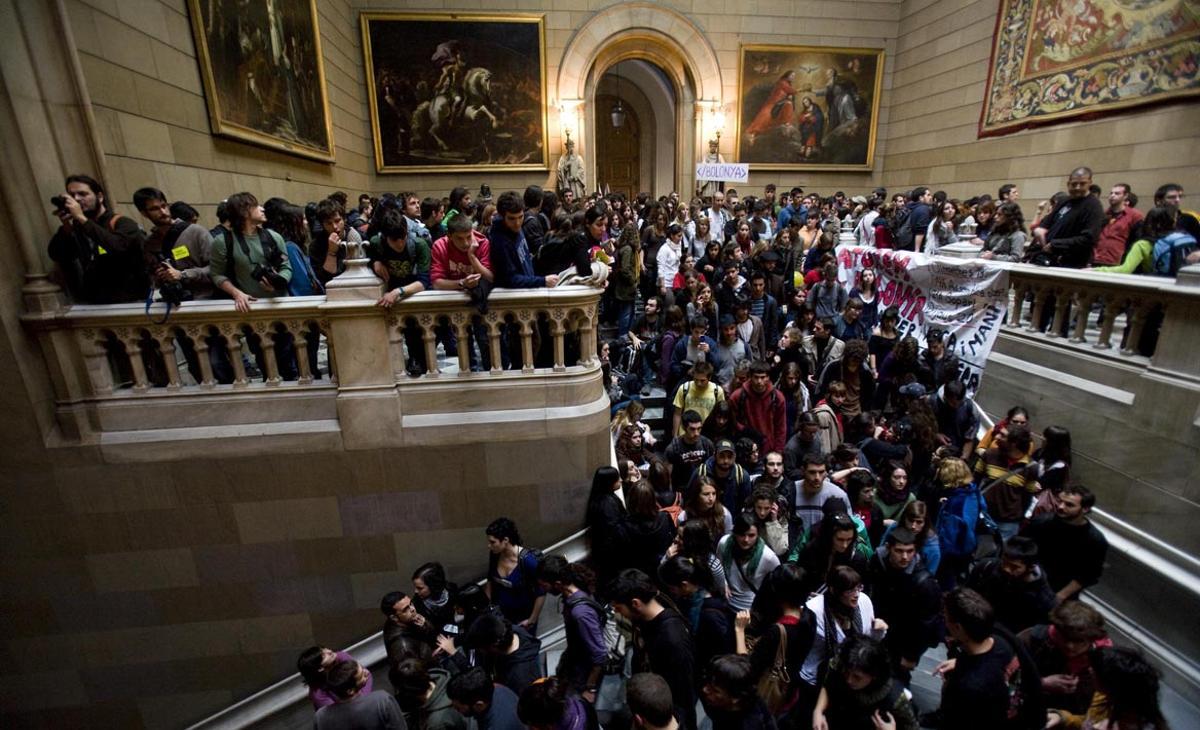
662	37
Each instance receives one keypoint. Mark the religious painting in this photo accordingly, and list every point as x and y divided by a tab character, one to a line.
808	107
263	74
1061	59
461	92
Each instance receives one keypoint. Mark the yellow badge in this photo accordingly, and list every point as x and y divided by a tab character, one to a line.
101	250
179	253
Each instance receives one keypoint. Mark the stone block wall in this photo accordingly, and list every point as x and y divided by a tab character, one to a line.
155	594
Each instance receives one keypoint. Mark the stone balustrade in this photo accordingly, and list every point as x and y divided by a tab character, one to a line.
294	362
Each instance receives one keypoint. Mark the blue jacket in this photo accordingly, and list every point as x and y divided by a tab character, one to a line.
680	355
788	212
511	261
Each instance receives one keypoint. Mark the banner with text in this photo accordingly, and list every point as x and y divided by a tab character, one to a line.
967	299
723	171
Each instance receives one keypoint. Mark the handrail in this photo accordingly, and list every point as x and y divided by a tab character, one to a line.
369	651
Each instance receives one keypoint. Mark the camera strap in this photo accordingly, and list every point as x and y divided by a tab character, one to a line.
150	301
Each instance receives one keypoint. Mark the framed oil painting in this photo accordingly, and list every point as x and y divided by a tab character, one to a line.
1054	60
461	92
808	107
263	75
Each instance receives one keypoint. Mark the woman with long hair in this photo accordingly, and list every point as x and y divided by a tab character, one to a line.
703	502
985	222
1159	222
626	277
1053	463
883	338
630	446
867	293
1127	688
860	692
894	492
840	613
674	327
606	521
648	530
694	541
832	542
720	423
432	594
704	305
795	393
1008	236
941	231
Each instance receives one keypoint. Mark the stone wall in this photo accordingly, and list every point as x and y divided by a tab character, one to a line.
941	67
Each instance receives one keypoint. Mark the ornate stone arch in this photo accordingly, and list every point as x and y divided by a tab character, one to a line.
663	37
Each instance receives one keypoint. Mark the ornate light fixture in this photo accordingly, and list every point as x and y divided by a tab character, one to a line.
618	111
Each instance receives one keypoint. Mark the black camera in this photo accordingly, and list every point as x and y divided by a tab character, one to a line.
172	292
59	202
272	275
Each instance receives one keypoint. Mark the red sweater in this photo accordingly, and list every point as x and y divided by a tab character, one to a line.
766	414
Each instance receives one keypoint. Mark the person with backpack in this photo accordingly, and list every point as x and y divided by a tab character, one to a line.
586	657
175	252
911	224
98	250
699	394
512	575
758	406
246	249
960	509
1160	250
729	476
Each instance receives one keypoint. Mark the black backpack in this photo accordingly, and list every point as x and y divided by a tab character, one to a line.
903	235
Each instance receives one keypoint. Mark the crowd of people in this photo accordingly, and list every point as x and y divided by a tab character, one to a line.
760	271
821	510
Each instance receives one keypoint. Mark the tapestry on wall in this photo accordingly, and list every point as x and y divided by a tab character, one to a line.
263	77
1059	59
808	107
457	92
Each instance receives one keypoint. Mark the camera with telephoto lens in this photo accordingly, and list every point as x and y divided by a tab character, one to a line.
172	292
59	202
271	274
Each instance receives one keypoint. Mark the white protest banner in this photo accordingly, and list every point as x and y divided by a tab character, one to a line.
738	172
967	299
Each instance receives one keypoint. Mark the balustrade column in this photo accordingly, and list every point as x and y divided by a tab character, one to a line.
166	343
587	337
93	347
1112	308
233	345
429	337
1083	310
1137	322
558	332
462	328
199	339
300	332
132	339
1039	305
266	340
527	320
494	323
1062	300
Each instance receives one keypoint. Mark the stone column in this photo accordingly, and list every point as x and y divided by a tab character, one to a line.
368	406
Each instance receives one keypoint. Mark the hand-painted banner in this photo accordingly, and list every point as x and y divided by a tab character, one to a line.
965	298
723	171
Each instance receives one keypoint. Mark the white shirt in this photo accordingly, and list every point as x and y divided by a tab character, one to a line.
816	655
717	220
864	232
669	254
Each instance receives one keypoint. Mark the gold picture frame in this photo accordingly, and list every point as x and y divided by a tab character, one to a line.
273	96
430	77
808	107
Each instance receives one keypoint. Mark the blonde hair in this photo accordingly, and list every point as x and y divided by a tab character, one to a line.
953	472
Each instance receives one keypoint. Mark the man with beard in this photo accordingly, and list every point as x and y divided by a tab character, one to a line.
907	597
729	476
731	349
99	251
1015	585
1122	218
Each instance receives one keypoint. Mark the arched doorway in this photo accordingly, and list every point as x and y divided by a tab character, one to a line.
665	39
618	149
646	93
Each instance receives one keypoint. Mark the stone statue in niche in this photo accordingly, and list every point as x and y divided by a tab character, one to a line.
708	187
570	173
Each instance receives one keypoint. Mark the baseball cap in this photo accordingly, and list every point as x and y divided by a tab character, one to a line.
913	390
725	445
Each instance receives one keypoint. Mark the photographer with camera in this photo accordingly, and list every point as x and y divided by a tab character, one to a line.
98	251
176	252
249	262
328	250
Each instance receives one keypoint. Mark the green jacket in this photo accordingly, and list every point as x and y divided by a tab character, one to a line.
243	265
625	285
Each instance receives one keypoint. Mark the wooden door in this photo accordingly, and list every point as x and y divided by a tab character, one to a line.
617	161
